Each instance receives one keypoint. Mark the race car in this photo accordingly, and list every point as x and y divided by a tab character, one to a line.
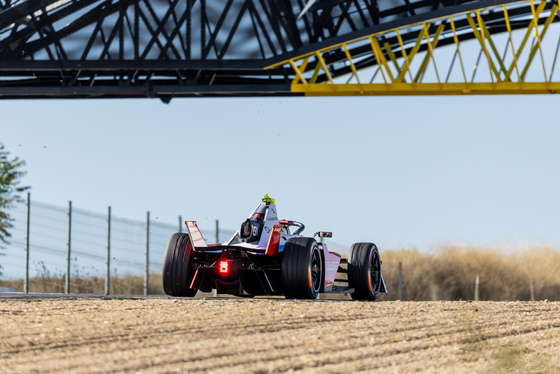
269	256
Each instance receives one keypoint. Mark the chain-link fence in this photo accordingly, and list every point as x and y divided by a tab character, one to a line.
66	249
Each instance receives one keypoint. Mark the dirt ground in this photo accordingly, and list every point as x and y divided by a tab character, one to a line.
163	335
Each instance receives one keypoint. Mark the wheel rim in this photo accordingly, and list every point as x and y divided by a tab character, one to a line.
315	271
375	272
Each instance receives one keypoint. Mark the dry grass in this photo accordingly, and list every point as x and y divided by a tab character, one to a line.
129	285
448	273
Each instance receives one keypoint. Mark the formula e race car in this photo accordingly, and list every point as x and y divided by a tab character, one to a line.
268	256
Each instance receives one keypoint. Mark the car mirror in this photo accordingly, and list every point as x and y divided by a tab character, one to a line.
323	234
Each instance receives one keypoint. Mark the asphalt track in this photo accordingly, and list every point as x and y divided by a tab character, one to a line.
51	333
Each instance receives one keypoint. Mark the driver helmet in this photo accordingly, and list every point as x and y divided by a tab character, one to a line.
251	229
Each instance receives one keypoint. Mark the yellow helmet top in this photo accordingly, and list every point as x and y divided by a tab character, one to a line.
268	200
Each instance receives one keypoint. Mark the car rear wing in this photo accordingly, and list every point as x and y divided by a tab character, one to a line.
197	240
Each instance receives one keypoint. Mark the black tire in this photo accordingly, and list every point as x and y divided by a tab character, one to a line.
364	271
302	269
177	266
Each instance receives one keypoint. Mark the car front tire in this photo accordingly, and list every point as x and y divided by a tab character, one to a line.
364	271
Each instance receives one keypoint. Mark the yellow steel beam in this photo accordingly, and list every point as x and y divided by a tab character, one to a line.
325	67
404	89
488	37
394	77
530	27
316	72
510	41
299	75
456	40
538	45
481	40
539	37
352	66
431	46
380	58
392	56
408	59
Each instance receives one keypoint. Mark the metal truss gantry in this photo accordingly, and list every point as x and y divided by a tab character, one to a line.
195	48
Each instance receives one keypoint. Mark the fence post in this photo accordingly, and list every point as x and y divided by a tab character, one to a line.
68	249
532	287
108	261
26	280
476	283
217	231
400	281
147	266
180	225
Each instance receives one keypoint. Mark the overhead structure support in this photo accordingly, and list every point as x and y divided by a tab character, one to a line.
252	48
405	56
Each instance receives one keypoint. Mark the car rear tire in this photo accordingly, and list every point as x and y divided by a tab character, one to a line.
364	271
177	267
302	269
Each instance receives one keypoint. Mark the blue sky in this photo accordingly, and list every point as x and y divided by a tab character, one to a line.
398	171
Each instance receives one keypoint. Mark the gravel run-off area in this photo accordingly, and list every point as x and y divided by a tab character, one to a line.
235	335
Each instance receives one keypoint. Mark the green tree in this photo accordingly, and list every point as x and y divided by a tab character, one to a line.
10	176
